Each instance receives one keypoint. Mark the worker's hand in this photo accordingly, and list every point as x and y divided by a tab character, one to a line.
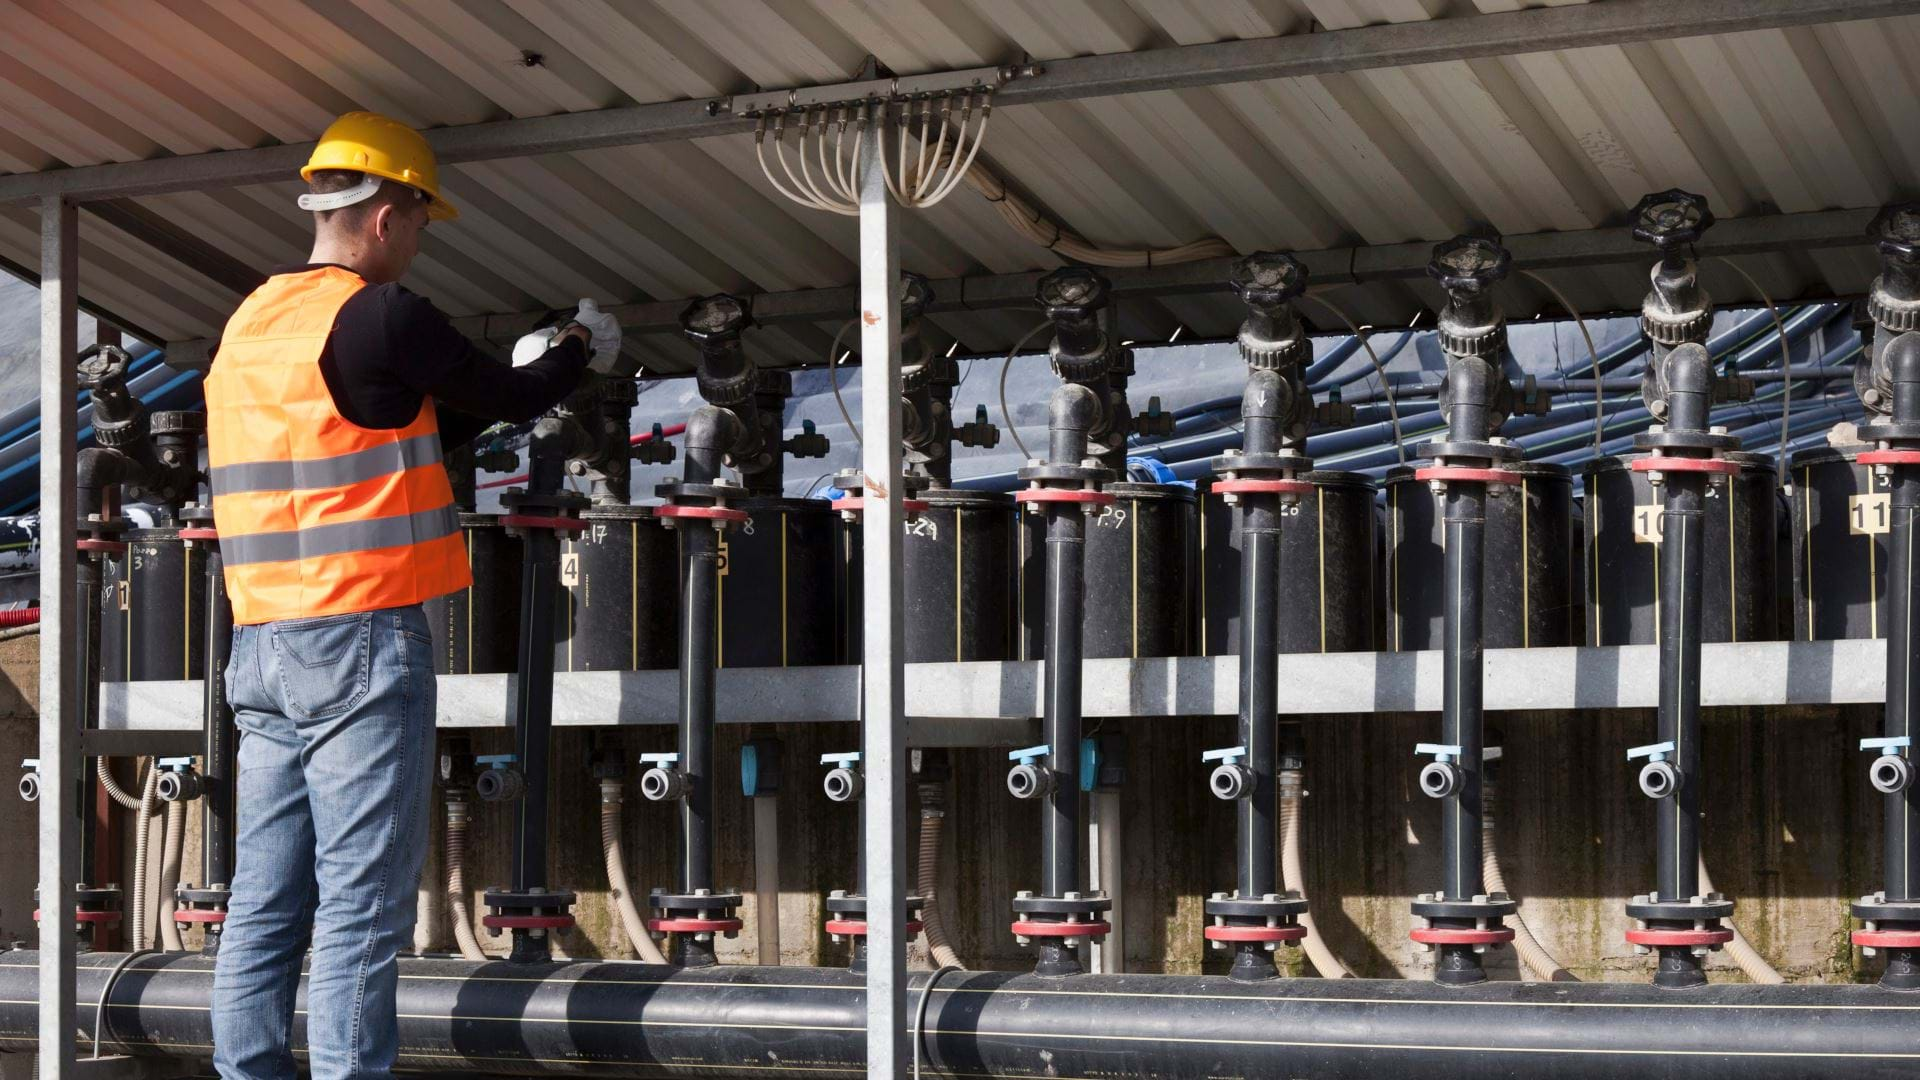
605	341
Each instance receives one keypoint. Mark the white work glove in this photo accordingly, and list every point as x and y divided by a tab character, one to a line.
533	346
605	329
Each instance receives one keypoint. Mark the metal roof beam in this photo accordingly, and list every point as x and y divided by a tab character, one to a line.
1530	30
1331	266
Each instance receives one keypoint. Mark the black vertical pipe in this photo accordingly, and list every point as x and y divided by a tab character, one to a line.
1066	585
533	707
1677	819
700	551
86	592
1259	692
1462	721
219	747
1901	836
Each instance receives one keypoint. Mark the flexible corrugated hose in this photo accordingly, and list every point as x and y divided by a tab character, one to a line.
1534	957
103	770
171	848
643	943
138	909
1321	957
457	882
932	813
1739	950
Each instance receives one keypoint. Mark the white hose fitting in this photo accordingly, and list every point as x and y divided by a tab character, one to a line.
457	909
932	923
611	801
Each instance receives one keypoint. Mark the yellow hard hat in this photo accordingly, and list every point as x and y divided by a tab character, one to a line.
381	146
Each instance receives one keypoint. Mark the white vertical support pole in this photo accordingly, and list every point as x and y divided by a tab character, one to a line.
60	809
884	642
1105	848
766	876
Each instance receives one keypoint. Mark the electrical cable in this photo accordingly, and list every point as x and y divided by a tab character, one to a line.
103	771
1786	366
1006	414
1386	388
920	1013
1593	355
833	377
932	923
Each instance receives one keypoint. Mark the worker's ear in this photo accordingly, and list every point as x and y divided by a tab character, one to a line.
383	222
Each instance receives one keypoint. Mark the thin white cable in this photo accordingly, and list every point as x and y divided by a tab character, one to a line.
979	138
922	171
1786	367
825	201
1386	388
1740	950
811	194
1006	414
833	378
1593	356
636	927
760	152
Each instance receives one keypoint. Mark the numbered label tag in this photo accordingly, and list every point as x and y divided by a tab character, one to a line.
1647	523
570	569
925	526
1869	515
121	591
724	559
1112	516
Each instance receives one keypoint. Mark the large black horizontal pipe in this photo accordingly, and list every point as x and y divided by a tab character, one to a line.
635	1020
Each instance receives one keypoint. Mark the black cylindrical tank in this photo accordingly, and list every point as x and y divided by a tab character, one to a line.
620	594
154	608
1530	596
476	630
1622	558
1326	568
778	606
1840	522
1141	553
957	558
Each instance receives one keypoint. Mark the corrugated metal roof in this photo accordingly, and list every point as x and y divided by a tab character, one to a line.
1760	122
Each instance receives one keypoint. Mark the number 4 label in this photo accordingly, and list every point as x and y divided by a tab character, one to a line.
1869	515
1647	523
570	569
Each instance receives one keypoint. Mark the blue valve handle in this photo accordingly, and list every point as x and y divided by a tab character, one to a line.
1030	755
664	758
1227	754
1888	745
842	760
1440	751
1652	751
492	760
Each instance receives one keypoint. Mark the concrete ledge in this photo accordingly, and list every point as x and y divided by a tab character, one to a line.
990	703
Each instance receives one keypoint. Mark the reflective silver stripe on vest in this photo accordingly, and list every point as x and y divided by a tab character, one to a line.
307	475
340	537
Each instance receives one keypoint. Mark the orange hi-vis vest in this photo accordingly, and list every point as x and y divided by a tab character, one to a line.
317	515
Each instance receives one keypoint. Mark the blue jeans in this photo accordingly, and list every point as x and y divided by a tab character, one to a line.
336	716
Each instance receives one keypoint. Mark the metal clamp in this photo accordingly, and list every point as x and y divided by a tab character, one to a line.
1658	778
664	782
1441	776
1891	772
499	779
1027	780
1230	780
844	782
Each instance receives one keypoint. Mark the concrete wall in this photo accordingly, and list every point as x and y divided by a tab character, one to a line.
1792	834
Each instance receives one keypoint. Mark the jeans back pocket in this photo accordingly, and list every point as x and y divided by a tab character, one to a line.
324	663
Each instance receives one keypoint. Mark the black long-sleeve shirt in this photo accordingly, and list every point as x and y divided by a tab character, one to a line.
390	347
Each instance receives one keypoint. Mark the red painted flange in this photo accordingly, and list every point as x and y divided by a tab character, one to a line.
198	915
858	503
1451	935
1254	933
1461	472
1890	457
1684	464
1025	928
560	523
707	513
1263	487
527	922
200	534
104	547
693	926
1887	939
1065	495
1679	937
858	927
87	916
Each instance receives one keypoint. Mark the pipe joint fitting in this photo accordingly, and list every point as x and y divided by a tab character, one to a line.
844	782
1028	781
30	781
1891	772
1230	780
1659	779
499	780
178	781
664	782
1441	777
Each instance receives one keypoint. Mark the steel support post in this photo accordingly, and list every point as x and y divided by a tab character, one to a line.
60	805
883	689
